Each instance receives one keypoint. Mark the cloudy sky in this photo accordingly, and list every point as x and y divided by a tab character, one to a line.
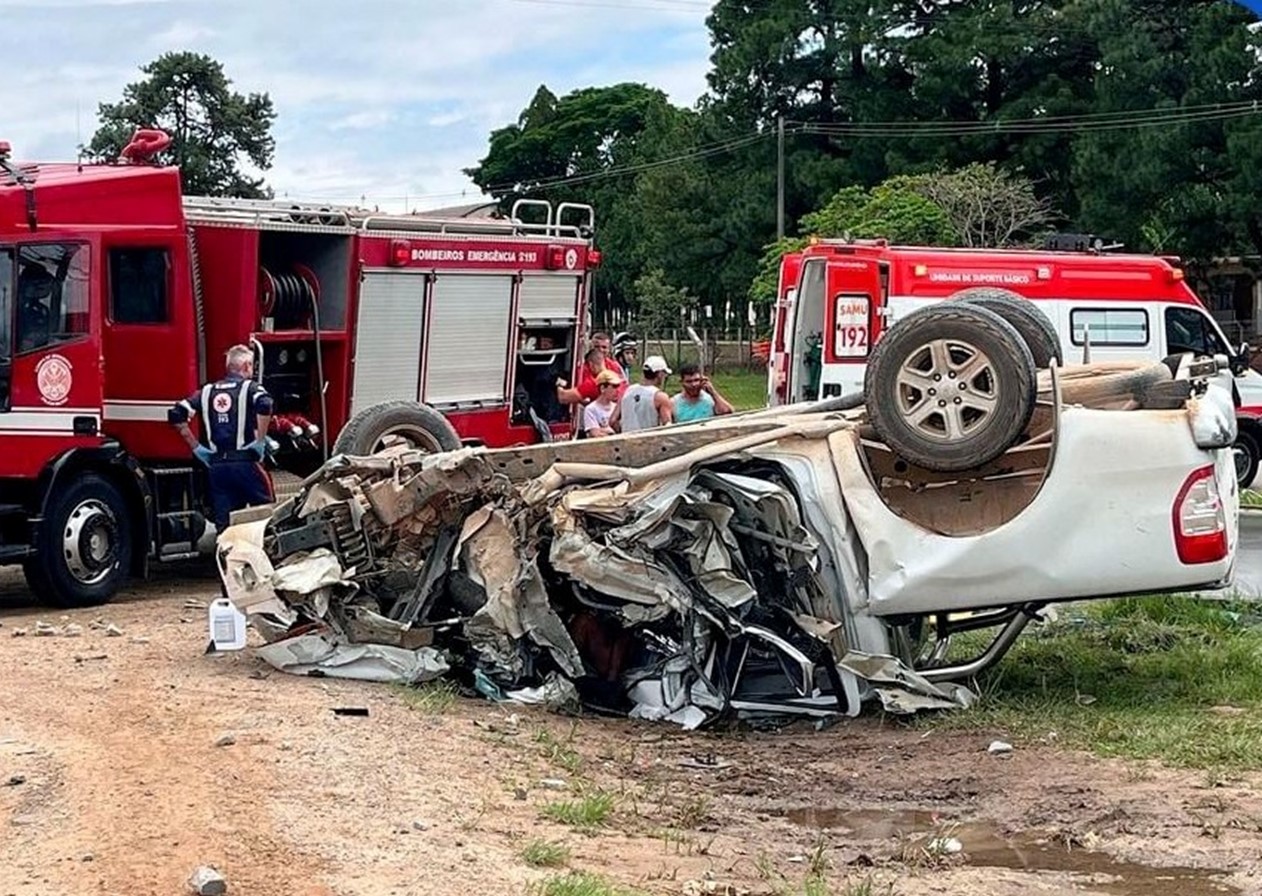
381	100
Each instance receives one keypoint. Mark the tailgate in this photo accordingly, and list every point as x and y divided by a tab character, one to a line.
1102	524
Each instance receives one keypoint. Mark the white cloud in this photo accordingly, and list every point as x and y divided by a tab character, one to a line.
383	100
181	35
361	121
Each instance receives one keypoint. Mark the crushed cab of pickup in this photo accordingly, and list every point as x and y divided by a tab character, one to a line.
678	592
765	565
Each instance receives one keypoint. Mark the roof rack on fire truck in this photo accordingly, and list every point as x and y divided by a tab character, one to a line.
261	212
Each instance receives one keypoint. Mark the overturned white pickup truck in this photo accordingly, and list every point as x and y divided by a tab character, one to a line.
778	561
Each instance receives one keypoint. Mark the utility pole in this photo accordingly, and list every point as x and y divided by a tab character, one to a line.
779	177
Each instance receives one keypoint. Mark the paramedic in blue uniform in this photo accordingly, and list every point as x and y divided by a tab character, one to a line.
235	412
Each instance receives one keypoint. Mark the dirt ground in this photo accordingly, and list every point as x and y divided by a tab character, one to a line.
115	785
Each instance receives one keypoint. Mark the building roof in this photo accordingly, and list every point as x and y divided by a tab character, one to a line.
473	210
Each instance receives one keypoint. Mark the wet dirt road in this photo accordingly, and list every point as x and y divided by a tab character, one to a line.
115	785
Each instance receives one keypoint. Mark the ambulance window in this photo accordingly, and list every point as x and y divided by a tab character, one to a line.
52	295
1108	326
138	286
1189	330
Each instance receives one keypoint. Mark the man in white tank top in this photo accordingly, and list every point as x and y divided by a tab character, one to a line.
645	405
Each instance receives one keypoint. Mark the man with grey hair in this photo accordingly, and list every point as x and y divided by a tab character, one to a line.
235	413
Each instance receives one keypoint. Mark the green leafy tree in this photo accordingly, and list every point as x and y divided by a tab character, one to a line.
659	305
215	131
986	206
585	147
1190	186
896	210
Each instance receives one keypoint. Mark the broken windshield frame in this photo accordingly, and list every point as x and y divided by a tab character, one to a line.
6	325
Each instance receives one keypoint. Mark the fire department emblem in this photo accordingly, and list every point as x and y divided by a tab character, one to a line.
54	377
222	403
571	259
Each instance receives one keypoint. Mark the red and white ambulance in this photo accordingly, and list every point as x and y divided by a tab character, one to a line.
836	297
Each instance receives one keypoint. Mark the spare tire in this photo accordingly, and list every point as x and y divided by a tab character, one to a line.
1033	325
950	386
396	422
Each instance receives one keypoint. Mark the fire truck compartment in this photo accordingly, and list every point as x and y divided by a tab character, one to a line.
298	256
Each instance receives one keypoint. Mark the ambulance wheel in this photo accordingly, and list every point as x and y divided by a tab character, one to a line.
1032	324
393	423
1246	454
84	545
950	386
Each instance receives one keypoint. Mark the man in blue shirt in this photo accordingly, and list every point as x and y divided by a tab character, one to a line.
235	414
699	400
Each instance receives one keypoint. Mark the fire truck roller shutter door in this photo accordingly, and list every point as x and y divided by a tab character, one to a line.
392	422
1033	325
950	386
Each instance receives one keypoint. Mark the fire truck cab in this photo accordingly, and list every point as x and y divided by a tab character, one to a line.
835	298
119	296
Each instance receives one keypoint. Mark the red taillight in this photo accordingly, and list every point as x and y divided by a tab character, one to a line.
400	252
593	258
1200	526
554	259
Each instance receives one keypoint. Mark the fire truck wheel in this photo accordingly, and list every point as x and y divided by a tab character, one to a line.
1037	331
950	386
84	545
394	423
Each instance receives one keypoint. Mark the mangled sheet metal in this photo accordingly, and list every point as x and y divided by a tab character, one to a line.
686	591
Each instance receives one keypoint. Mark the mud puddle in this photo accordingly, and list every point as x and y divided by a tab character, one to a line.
982	844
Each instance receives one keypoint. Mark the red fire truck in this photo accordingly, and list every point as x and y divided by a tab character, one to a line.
836	297
119	295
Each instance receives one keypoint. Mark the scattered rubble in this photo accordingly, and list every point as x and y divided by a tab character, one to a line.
113	631
999	747
206	881
225	740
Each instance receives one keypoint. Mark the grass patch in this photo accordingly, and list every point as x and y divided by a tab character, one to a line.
433	698
745	389
1137	678
1250	498
590	811
581	883
560	752
545	854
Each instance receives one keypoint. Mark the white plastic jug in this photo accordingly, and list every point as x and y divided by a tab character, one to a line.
227	625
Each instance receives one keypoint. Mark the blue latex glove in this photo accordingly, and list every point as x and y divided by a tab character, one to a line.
204	454
258	446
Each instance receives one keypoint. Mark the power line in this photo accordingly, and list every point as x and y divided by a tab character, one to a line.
1091	121
1075	117
621	171
1026	127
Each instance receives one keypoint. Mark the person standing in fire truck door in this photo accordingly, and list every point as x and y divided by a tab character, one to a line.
235	413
